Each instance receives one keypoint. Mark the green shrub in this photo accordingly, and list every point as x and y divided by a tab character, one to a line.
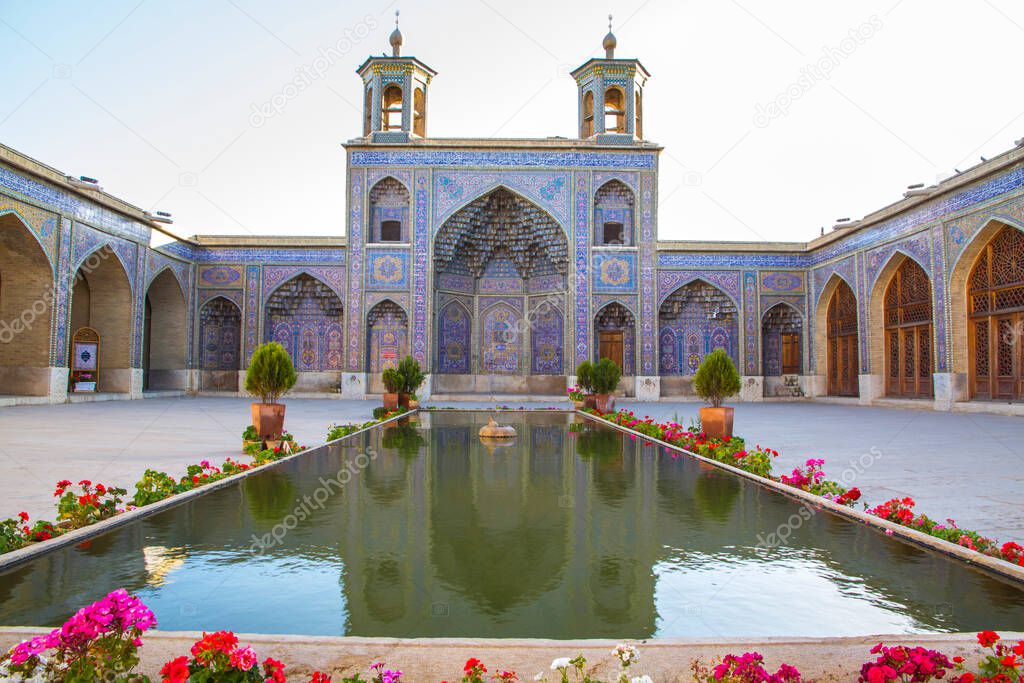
154	486
605	376
412	375
716	378
585	376
271	373
250	434
379	412
393	380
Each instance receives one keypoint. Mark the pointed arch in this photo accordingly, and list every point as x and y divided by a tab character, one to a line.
991	309
484	191
26	298
454	338
389	211
703	318
501	339
102	298
306	317
497	220
782	335
220	344
966	336
182	286
387	330
901	340
835	337
615	336
27	224
614	214
103	251
164	330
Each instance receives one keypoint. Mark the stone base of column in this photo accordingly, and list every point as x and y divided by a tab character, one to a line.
57	392
950	387
871	387
135	383
353	385
752	388
648	388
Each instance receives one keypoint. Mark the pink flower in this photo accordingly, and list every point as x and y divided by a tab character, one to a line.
243	658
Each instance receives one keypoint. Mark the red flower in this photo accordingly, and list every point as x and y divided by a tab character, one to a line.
274	670
320	677
474	664
176	670
988	638
23	516
84	482
1009	661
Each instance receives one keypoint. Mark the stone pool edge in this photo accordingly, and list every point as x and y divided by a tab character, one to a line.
21	556
435	659
991	565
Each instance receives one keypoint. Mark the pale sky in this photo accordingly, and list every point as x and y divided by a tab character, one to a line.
156	99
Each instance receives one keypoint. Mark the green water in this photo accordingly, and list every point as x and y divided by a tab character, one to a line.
572	531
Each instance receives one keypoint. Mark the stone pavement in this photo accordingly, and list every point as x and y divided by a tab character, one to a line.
969	467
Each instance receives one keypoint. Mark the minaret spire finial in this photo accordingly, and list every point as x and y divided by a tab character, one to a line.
609	41
396	38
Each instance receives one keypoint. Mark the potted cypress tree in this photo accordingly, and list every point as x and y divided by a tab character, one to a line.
393	384
605	378
412	380
585	381
716	380
269	377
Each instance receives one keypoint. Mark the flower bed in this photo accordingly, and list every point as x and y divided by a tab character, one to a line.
811	478
102	642
86	503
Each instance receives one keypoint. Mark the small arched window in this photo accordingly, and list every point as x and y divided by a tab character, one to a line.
391	108
419	112
587	129
614	110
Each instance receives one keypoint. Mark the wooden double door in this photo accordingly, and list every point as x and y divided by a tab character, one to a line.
843	377
997	353
908	371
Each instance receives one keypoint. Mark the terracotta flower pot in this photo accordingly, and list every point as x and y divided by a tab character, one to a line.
579	405
246	443
717	422
390	401
268	418
589	401
413	404
605	402
403	400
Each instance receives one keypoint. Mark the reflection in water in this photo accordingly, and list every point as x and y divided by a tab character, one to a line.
561	534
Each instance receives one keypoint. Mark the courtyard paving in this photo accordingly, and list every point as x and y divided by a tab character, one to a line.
969	467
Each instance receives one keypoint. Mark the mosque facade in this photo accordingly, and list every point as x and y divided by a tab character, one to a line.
502	264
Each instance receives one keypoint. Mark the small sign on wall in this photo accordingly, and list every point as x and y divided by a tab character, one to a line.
85	361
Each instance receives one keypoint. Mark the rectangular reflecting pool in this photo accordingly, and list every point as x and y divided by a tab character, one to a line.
572	530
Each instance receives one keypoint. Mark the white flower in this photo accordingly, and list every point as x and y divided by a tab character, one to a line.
539	676
560	663
627	654
641	679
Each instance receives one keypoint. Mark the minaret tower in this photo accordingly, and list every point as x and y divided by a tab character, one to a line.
611	96
395	94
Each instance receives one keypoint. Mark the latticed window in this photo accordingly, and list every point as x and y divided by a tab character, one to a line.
908	332
995	296
997	281
841	332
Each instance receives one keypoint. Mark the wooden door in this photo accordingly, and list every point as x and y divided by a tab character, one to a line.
1006	349
610	345
842	343
909	362
790	353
